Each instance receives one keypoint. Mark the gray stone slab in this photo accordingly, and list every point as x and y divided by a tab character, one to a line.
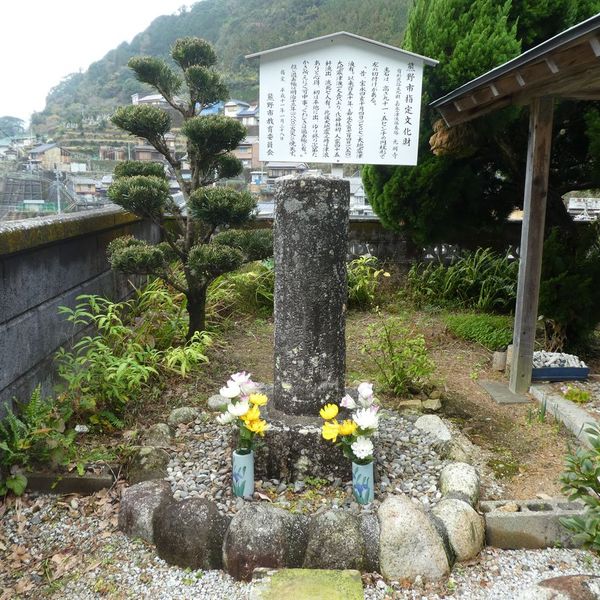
501	394
574	418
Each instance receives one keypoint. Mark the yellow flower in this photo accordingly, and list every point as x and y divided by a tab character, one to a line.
253	414
258	399
331	429
259	426
348	427
329	411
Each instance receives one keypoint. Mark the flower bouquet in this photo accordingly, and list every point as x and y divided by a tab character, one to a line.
354	437
243	412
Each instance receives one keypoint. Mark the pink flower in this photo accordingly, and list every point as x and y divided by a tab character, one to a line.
348	402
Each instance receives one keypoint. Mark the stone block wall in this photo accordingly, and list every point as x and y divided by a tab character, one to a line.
45	263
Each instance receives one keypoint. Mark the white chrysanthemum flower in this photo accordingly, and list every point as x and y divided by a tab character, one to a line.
239	409
231	390
248	387
348	402
225	417
366	419
362	447
365	390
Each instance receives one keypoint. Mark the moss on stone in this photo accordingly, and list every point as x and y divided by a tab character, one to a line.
16	236
308	584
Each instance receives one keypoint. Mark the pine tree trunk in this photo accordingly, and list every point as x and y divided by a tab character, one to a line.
196	307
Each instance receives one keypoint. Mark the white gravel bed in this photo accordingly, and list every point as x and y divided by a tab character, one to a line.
406	462
591	385
496	575
70	549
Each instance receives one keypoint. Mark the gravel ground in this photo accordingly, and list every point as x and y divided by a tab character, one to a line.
68	547
406	461
592	385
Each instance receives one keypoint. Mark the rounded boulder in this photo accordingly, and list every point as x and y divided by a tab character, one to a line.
190	533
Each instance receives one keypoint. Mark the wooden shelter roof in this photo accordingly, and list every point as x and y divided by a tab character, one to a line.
566	65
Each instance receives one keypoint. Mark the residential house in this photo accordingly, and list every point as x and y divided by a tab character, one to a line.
247	152
233	107
112	153
84	186
48	157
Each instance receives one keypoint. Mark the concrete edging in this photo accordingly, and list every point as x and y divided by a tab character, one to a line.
574	418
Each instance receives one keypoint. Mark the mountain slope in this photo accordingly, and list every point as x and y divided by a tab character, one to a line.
236	28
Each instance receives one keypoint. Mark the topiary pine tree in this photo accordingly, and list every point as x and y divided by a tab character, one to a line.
193	252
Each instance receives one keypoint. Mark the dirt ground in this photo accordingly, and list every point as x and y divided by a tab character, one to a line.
522	450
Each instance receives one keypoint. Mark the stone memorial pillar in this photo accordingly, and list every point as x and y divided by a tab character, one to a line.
310	246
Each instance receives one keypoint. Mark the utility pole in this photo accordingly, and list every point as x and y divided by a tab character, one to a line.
57	189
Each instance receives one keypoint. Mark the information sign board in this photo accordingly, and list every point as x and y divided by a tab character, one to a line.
340	99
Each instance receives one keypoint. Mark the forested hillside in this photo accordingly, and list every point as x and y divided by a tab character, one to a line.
236	28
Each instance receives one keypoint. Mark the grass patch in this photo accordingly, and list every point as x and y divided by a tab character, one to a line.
494	332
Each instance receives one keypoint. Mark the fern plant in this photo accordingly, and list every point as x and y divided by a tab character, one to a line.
36	436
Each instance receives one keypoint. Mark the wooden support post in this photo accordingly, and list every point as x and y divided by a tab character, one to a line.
532	241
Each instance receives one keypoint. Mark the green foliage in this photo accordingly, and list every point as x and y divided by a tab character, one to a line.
581	482
106	372
247	291
399	355
143	120
138	259
156	72
208	261
569	291
494	332
10	126
451	199
131	168
465	195
221	206
255	244
484	279
363	281
191	51
37	436
213	134
143	195
576	394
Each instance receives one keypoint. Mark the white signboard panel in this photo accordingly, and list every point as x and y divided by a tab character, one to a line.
340	100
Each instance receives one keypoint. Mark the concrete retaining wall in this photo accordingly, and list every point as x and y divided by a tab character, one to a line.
46	263
367	235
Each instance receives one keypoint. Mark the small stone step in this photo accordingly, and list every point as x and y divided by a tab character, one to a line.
306	584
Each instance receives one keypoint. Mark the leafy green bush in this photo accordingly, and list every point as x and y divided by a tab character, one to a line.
399	356
483	279
495	332
105	372
581	481
249	290
569	292
37	436
363	281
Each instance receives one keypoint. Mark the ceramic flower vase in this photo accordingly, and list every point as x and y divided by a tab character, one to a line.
363	483
242	474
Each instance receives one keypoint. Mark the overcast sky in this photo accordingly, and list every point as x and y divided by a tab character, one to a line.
42	41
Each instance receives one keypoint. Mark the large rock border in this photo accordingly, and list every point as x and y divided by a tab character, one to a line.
403	541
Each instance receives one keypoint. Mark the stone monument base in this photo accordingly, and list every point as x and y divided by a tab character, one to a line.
294	449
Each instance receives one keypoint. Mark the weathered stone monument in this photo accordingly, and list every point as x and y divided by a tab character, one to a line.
310	244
